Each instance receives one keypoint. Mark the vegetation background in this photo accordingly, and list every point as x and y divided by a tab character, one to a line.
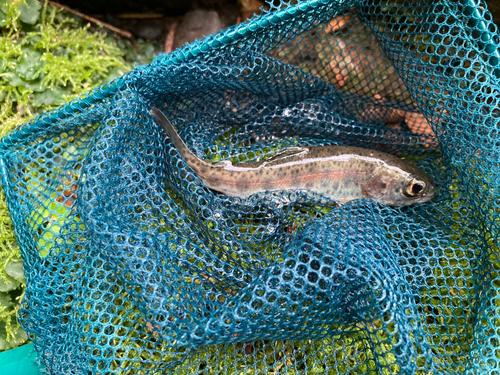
48	57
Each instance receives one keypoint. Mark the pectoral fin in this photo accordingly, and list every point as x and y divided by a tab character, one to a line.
377	187
287	155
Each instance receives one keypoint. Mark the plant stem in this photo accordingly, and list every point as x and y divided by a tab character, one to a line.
120	32
44	11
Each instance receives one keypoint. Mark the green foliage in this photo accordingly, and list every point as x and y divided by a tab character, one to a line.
12	282
46	64
46	58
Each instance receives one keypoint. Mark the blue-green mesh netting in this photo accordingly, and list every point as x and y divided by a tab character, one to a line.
133	266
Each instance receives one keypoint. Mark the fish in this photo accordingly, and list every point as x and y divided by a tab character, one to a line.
340	173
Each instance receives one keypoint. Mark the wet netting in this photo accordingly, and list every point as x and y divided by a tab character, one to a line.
134	266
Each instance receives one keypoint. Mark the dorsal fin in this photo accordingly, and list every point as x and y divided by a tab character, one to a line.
287	155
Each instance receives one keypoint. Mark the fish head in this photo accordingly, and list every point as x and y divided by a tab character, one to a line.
396	187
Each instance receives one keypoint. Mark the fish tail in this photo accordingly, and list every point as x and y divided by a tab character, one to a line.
194	161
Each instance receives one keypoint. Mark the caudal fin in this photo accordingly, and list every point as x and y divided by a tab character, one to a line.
191	158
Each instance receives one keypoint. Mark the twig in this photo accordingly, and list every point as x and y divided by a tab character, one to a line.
169	40
121	32
140	16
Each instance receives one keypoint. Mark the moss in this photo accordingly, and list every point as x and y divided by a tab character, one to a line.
46	58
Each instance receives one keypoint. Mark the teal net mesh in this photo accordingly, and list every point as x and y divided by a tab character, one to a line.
134	266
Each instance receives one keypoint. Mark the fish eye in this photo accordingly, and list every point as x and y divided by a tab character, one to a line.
414	188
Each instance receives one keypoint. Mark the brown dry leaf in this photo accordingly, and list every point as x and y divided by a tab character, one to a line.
418	124
360	67
250	5
152	328
214	281
345	53
249	8
337	23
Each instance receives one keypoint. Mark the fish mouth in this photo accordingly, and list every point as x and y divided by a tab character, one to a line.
425	198
428	195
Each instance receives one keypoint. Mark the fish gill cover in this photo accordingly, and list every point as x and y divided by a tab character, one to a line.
133	266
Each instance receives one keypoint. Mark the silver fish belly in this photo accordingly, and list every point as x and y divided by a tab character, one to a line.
340	173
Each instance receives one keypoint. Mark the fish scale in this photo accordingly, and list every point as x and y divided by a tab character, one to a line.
341	173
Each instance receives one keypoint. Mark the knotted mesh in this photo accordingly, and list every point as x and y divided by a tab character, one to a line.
134	266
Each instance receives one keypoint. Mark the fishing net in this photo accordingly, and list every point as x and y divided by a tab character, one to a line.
134	266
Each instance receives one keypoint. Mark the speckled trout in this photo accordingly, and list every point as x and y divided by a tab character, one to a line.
338	172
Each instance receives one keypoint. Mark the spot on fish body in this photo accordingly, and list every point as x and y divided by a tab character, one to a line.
241	184
268	185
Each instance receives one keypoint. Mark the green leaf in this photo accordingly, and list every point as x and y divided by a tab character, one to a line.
147	48
146	53
34	40
31	67
30	11
112	74
15	270
131	54
19	337
54	96
5	300
14	79
2	18
11	284
36	85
